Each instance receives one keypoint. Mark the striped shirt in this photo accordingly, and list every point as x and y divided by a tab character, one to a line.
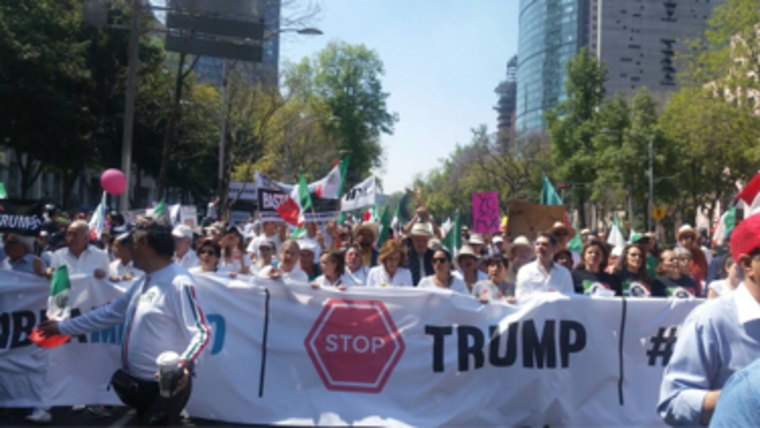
160	312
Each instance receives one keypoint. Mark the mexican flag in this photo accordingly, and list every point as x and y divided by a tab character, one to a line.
576	244
371	215
453	239
160	209
396	219
299	201
98	220
615	236
331	186
60	289
725	226
385	227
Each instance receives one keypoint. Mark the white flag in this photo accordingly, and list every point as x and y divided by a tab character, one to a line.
360	196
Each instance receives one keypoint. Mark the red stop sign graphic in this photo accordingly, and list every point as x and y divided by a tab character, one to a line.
354	345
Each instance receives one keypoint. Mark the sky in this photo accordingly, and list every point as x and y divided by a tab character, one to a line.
443	59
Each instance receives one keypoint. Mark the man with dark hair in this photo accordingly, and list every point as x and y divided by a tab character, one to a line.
496	287
543	274
161	314
718	338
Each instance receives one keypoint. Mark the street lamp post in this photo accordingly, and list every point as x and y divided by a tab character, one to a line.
651	184
129	110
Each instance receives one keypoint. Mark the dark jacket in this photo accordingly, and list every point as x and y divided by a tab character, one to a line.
413	265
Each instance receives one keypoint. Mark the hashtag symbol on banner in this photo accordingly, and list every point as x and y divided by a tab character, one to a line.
662	346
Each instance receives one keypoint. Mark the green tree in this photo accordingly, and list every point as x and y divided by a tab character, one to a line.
347	78
572	125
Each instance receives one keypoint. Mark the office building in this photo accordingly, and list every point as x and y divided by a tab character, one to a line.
507	92
551	32
639	40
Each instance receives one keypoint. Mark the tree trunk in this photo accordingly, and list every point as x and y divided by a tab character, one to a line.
170	128
29	173
69	178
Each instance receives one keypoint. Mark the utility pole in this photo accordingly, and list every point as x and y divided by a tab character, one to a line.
223	128
651	184
129	111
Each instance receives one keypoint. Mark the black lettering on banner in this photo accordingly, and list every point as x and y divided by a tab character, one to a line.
466	349
439	334
566	347
5	329
544	350
23	325
493	349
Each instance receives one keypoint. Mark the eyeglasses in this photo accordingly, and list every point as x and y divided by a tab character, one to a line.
439	260
209	252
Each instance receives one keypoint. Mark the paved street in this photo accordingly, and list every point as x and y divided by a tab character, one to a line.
64	416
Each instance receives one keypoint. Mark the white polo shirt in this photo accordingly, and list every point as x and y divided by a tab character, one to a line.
296	275
378	277
532	279
87	262
119	269
189	260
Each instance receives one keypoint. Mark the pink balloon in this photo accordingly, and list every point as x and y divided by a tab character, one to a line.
113	181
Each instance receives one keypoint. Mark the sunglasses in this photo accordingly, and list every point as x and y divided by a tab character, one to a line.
439	260
209	252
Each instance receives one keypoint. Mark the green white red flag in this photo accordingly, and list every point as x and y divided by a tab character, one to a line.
298	202
331	186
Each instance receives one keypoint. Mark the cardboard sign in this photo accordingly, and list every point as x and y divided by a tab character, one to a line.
485	212
528	219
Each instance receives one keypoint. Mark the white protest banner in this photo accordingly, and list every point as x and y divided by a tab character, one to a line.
246	191
288	354
360	196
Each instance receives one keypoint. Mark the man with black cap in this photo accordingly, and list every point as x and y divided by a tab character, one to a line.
717	339
162	314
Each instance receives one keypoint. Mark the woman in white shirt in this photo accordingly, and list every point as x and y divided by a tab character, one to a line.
442	278
233	252
720	287
468	271
392	256
208	254
333	272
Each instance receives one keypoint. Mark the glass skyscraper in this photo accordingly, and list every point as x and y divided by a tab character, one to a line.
551	32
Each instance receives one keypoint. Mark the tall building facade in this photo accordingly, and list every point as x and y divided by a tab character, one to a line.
507	92
551	32
639	40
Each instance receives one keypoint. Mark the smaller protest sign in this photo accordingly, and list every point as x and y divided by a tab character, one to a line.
485	212
247	191
23	217
324	210
528	219
360	196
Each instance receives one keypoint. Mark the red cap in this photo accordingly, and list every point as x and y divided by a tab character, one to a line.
746	237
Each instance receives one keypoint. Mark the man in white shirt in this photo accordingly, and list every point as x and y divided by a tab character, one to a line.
79	257
123	268
543	274
272	233
161	314
354	267
183	254
288	268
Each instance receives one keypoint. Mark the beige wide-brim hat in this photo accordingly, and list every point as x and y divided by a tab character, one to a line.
466	250
520	241
421	229
686	230
372	227
559	226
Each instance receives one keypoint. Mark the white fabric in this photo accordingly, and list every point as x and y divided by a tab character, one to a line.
532	279
160	313
378	277
296	275
235	264
747	308
360	276
90	260
360	196
720	287
346	280
479	274
565	381
119	269
253	247
457	284
189	260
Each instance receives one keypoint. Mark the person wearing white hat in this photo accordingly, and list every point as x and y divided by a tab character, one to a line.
420	257
519	253
477	243
183	254
467	264
310	253
273	233
543	275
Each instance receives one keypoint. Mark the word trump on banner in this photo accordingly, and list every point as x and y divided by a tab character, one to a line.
485	212
354	345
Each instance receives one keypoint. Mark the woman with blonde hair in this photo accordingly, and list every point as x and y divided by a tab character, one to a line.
390	271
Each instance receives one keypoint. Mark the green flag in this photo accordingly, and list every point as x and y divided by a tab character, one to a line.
730	221
576	244
342	218
385	227
615	236
298	232
3	193
549	196
60	288
453	240
160	208
343	168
